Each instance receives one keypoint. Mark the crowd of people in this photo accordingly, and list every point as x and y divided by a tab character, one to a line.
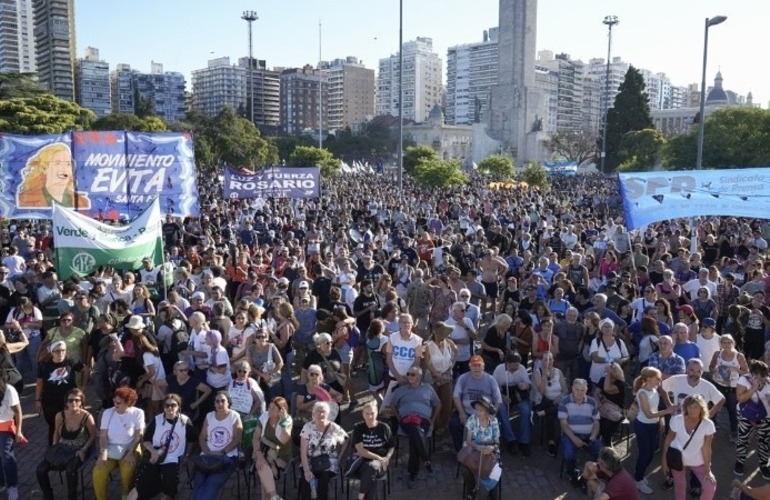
436	313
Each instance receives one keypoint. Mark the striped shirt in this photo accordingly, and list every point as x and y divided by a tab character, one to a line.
580	417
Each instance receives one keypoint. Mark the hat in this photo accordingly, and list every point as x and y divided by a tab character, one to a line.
146	259
304	284
687	310
56	345
197	295
476	360
486	403
283	282
135	323
709	322
442	328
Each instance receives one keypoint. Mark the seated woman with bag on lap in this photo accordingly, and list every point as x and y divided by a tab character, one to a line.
74	433
120	431
480	455
322	444
165	442
272	445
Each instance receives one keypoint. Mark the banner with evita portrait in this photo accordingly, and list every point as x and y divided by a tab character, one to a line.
105	175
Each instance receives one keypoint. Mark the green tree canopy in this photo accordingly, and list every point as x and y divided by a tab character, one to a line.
414	155
535	175
126	121
436	173
309	156
499	166
13	84
43	114
733	138
641	151
631	112
227	139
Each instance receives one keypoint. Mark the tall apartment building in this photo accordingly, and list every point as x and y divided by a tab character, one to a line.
351	92
471	73
548	82
92	83
54	31
421	81
300	103
217	85
267	92
164	90
597	67
17	44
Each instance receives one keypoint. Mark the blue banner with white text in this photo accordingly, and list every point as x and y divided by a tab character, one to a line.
106	175
273	182
654	196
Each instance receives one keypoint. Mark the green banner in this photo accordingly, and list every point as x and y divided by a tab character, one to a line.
82	244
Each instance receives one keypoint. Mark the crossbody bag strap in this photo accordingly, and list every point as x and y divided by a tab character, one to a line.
691	435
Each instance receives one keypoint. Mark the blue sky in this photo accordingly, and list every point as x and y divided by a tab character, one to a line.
660	35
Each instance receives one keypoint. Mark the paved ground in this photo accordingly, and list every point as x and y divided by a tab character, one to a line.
535	477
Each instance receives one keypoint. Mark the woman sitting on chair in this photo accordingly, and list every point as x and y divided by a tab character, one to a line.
374	445
322	445
482	434
272	445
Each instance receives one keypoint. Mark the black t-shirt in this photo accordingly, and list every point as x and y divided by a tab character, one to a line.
619	398
377	440
361	303
372	274
320	289
492	339
188	392
58	379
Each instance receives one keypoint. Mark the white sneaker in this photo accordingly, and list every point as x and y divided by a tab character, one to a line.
13	493
644	487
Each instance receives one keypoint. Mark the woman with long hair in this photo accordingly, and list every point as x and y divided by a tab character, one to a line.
272	445
439	356
610	392
49	176
664	312
496	343
153	382
649	333
287	325
266	362
726	367
693	428
522	334
342	334
647	423
550	386
141	304
74	428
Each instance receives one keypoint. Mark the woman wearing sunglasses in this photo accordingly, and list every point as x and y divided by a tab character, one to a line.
220	437
165	440
76	430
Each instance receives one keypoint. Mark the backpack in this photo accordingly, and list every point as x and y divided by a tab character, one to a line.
377	367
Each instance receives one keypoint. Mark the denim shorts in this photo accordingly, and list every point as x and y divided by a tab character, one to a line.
346	353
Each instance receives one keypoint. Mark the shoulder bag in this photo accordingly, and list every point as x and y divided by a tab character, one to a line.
147	457
210	464
341	378
674	456
471	458
323	462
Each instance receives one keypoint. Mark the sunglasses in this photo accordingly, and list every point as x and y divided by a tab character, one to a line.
72	400
171	405
260	337
314	374
411	374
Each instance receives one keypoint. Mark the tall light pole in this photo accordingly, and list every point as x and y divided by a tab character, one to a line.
250	16
610	21
702	119
400	95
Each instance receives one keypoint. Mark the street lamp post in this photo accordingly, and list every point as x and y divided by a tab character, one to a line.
400	95
250	16
610	21
702	119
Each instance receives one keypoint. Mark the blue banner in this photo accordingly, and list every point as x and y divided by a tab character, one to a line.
273	182
106	175
654	196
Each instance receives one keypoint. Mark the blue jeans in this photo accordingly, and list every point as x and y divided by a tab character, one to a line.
569	450
207	486
8	460
525	420
731	403
647	438
504	419
26	360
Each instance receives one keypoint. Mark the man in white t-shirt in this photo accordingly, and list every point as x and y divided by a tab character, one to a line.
403	351
678	387
10	411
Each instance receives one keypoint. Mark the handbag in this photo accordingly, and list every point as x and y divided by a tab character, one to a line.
323	462
59	455
471	458
753	411
116	451
674	456
610	411
341	378
210	464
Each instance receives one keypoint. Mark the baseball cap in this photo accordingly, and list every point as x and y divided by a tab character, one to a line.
709	322
476	360
283	282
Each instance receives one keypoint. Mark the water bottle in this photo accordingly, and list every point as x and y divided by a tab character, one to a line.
314	488
735	493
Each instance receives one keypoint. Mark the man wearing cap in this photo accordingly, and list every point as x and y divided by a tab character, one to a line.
469	388
417	406
197	304
579	421
472	311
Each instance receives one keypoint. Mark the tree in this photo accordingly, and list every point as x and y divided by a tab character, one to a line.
142	107
640	151
577	146
227	139
499	166
415	154
14	84
437	173
535	175
310	156
44	114
733	138
127	121
631	112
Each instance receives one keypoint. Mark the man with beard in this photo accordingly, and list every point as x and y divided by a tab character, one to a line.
366	306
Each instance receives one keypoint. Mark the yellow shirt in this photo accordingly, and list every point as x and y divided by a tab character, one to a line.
74	342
